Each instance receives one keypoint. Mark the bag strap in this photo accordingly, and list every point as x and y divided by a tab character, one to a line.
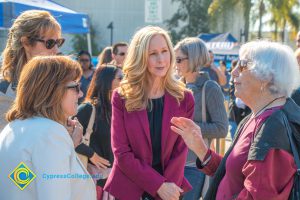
89	129
204	103
293	146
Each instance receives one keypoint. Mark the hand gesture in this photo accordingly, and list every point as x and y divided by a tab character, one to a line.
99	162
169	191
191	134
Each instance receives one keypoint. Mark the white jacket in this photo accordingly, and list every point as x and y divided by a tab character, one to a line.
47	149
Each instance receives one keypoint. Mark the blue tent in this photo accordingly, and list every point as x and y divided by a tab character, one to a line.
71	21
224	46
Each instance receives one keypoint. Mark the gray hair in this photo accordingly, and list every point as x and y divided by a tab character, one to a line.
195	49
275	63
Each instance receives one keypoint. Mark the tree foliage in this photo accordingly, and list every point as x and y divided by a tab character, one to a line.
192	15
79	42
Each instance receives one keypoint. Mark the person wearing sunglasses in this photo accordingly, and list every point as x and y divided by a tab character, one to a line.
149	157
119	51
37	134
106	79
84	58
191	55
259	164
33	33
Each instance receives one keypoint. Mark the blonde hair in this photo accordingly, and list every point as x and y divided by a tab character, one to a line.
135	86
29	24
42	86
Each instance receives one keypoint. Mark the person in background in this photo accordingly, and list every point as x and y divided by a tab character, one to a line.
119	51
149	157
237	110
105	56
296	93
99	152
213	71
191	55
85	60
260	163
225	88
298	40
33	33
47	95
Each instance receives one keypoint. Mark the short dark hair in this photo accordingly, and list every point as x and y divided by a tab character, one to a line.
116	45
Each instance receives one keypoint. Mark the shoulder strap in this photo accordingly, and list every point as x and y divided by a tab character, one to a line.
89	129
204	102
293	146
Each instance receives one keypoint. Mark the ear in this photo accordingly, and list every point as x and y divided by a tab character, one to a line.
25	42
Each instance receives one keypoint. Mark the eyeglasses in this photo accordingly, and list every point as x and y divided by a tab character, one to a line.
121	54
243	65
49	44
179	60
84	60
76	87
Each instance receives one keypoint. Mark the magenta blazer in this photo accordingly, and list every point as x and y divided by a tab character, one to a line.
132	173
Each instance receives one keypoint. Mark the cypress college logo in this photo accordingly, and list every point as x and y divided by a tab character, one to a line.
22	176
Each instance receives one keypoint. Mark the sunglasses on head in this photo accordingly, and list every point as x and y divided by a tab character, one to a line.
49	44
75	86
179	60
121	54
242	65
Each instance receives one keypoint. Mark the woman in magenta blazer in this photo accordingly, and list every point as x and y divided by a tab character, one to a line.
149	157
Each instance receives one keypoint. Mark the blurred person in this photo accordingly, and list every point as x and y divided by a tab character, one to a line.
119	51
253	166
296	93
99	152
33	33
225	88
105	56
298	40
149	157
47	94
85	60
214	72
191	55
236	113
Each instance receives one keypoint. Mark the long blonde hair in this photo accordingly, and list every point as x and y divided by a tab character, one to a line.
135	86
29	24
42	87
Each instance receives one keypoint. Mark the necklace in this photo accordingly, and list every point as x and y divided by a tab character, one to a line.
262	109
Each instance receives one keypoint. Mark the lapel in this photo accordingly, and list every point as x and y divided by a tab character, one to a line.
170	108
143	117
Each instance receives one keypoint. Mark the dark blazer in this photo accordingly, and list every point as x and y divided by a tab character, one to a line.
132	173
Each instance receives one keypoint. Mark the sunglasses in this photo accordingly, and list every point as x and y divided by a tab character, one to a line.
121	54
76	87
243	65
84	60
49	44
179	60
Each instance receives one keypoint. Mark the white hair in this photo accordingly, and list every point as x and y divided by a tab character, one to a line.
275	63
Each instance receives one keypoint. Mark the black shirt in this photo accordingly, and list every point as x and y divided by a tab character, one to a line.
155	114
100	138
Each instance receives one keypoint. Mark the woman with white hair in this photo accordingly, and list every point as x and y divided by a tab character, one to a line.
260	163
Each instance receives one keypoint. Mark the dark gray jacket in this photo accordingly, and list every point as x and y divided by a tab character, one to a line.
217	121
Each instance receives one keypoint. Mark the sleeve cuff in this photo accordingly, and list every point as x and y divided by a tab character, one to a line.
207	158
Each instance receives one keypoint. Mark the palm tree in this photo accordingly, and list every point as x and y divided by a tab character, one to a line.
224	6
283	15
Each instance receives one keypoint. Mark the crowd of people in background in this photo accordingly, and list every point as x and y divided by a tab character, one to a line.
143	121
